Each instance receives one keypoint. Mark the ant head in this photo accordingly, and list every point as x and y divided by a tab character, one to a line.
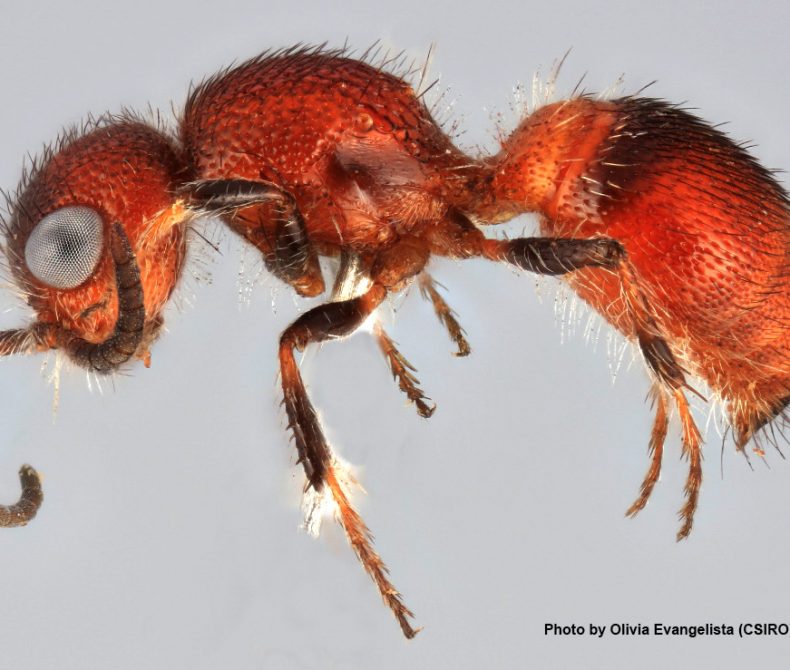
95	241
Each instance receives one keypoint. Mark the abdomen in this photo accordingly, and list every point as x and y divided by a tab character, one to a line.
706	230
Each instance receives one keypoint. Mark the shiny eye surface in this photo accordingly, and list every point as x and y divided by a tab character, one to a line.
65	247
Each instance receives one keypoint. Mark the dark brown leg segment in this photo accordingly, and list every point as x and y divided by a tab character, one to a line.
268	218
294	260
228	195
558	256
457	237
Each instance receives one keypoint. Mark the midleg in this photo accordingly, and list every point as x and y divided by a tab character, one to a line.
655	449
444	313
352	277
670	381
457	237
404	373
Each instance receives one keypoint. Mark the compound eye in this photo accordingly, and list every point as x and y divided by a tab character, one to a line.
65	247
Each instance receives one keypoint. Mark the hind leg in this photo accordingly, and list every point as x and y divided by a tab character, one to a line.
655	450
458	237
692	452
670	381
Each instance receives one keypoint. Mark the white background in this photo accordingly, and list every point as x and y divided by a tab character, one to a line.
168	537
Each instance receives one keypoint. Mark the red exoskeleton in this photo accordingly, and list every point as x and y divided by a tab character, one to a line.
664	225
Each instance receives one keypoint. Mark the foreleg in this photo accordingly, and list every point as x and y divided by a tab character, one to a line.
334	320
268	218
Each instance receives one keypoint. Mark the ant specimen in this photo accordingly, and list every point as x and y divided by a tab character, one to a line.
664	225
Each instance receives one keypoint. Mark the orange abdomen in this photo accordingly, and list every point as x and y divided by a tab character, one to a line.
706	230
